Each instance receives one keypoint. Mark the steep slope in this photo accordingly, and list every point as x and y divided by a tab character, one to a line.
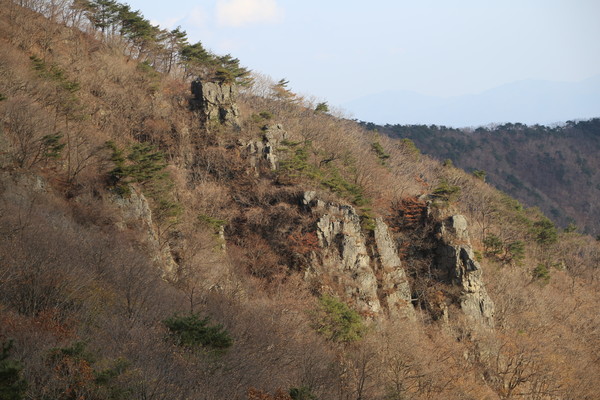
167	238
553	168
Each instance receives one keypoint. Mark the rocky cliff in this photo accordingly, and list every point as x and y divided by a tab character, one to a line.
216	102
136	214
368	272
361	266
454	256
265	148
366	268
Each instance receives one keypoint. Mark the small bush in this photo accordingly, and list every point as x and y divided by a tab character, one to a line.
12	386
266	114
448	163
146	68
193	331
382	155
493	245
507	252
410	148
322	107
446	192
516	251
545	232
302	393
480	174
337	322
541	273
367	219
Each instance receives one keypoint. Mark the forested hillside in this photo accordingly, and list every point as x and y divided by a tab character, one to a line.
553	168
173	226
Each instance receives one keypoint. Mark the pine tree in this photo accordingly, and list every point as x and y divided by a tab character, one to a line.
176	39
281	92
322	107
193	331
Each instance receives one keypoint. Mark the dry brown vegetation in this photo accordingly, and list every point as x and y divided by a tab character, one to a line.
83	286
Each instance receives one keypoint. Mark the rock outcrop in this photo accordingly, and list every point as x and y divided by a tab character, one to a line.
375	283
136	214
265	149
394	287
345	255
455	257
216	102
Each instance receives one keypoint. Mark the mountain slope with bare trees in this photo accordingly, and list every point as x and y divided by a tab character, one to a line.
152	248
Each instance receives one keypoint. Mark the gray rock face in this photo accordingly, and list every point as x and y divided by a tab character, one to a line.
136	214
455	229
134	209
455	257
310	200
217	102
265	149
375	284
395	289
369	273
345	255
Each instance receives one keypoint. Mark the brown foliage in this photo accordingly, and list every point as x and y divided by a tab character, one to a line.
255	394
408	213
303	243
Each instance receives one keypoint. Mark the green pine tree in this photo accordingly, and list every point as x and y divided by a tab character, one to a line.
193	331
338	322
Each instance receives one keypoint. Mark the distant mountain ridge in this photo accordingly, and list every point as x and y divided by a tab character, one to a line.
528	102
554	168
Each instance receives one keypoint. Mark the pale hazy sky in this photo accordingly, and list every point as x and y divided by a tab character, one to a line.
338	50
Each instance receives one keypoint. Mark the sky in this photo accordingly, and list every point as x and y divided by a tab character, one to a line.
340	50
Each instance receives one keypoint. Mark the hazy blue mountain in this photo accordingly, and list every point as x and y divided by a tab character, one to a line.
529	102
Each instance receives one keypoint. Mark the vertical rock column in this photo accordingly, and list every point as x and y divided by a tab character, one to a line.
217	103
376	283
455	257
394	287
344	254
